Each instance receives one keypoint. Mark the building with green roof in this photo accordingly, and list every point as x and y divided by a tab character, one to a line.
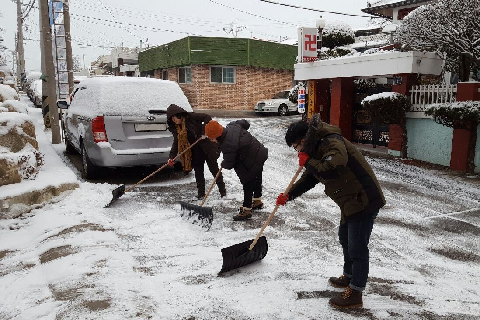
223	73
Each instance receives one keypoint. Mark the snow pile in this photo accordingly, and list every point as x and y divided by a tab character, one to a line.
19	157
13	106
113	96
33	75
7	93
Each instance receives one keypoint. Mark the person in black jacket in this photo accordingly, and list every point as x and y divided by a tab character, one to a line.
186	128
244	153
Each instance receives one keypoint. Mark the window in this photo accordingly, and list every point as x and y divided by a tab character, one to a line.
185	75
222	74
164	74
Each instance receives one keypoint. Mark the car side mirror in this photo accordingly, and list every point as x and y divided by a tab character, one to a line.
62	104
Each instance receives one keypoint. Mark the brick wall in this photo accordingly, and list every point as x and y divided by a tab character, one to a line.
252	84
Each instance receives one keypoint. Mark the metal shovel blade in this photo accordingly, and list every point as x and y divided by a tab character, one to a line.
200	215
238	255
117	193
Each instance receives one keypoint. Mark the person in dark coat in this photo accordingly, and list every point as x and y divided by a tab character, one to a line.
349	180
186	128
244	153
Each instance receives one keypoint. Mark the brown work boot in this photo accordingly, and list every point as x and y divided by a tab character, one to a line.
257	203
340	282
351	298
243	214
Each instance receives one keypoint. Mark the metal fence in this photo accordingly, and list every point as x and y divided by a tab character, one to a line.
424	95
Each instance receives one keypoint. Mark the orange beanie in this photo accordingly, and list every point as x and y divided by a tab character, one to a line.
213	129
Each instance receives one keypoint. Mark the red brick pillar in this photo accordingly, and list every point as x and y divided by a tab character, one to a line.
395	132
408	80
395	140
342	104
322	99
460	142
466	91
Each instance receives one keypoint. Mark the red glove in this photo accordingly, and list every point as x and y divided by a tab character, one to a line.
282	199
171	162
302	158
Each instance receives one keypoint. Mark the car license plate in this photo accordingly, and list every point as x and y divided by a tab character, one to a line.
150	127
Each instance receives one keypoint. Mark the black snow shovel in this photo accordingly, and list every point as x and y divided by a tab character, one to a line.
247	252
203	215
120	191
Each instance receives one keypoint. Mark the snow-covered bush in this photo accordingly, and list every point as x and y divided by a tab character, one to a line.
459	115
336	53
391	108
337	34
387	107
7	93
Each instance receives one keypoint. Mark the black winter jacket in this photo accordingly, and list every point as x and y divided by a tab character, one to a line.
348	178
242	151
195	123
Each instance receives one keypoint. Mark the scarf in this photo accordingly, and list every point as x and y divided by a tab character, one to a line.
183	144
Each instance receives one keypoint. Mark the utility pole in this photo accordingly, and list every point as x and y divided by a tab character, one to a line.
68	42
20	52
46	34
42	69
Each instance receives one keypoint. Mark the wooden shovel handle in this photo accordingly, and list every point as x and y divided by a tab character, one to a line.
270	217
211	187
165	165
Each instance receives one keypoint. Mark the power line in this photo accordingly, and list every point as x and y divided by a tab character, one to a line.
252	14
317	10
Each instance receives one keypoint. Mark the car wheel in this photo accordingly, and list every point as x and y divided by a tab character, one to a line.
283	110
90	171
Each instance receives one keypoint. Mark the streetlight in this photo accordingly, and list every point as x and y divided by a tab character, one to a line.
320	23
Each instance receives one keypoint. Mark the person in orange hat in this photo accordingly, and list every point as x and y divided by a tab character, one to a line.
244	153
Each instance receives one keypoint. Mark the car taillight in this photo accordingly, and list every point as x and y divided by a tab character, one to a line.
98	129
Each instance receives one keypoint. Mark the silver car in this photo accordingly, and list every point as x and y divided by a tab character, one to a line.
279	104
121	122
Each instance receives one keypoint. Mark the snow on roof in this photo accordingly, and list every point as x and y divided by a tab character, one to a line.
8	93
384	2
126	96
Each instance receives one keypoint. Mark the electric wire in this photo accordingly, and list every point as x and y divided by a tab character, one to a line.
316	10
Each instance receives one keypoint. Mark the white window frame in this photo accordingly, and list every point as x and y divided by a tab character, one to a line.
224	67
186	78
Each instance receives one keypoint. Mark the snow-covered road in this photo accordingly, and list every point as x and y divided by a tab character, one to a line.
139	259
